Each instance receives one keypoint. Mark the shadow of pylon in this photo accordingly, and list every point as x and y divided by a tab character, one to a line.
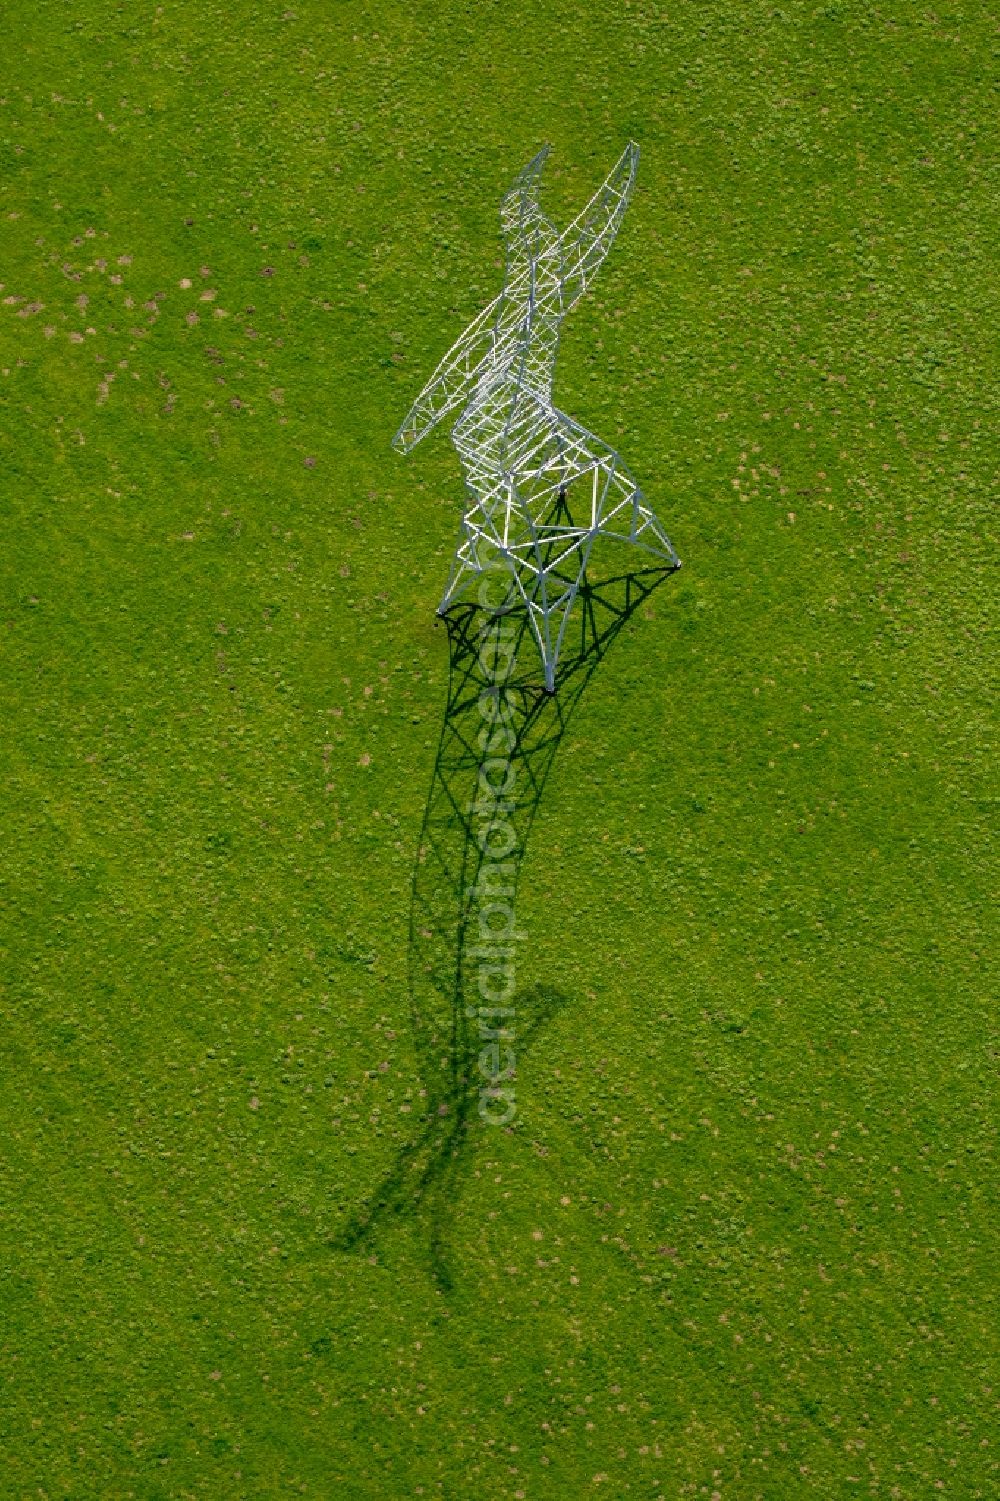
497	713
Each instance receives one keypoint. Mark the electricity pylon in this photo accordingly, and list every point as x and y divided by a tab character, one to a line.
540	488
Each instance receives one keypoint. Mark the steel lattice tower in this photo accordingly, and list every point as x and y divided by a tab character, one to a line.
540	488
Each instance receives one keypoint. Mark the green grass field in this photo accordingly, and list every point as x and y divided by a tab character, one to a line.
740	1241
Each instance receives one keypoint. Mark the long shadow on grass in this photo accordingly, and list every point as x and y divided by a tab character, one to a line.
446	902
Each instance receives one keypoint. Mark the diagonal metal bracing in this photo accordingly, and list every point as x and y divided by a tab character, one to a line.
541	488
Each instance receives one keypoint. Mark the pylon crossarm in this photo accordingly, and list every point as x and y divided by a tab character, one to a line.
449	384
586	242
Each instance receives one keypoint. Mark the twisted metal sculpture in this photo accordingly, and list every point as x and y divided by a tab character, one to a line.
541	488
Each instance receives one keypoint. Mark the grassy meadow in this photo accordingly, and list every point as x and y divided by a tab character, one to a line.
739	1243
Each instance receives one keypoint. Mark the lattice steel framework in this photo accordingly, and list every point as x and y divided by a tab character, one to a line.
540	488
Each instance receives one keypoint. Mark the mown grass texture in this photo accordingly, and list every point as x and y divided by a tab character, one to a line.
741	1240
